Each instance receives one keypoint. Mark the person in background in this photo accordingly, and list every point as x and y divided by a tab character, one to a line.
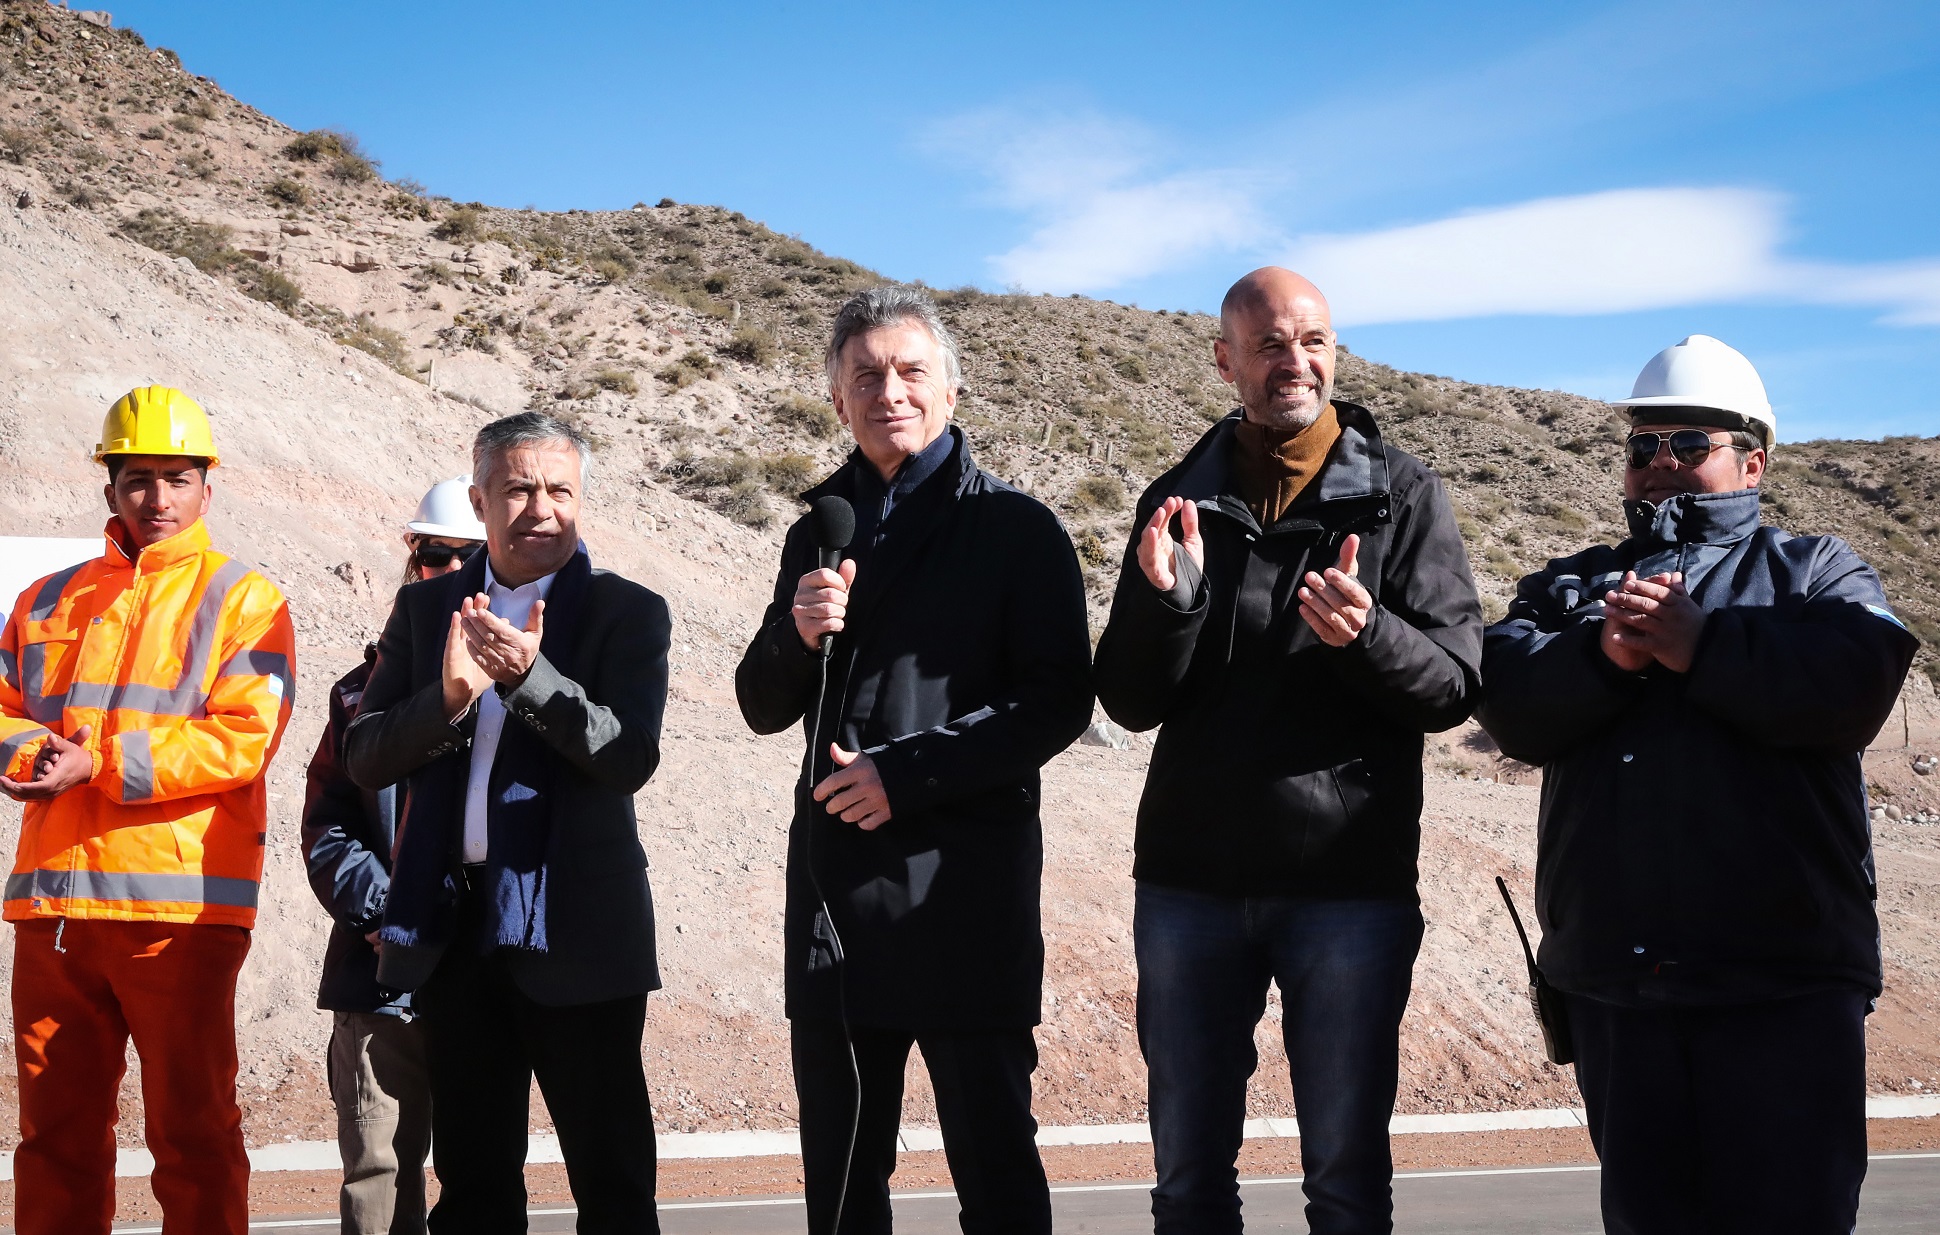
1698	698
145	693
376	1063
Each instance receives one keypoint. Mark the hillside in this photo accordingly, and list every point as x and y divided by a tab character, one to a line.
348	334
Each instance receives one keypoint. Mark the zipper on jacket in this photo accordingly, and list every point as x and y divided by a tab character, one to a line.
1232	627
115	675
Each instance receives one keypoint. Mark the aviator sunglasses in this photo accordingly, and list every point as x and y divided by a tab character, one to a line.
437	557
1690	447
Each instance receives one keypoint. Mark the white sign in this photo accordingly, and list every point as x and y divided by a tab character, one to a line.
25	559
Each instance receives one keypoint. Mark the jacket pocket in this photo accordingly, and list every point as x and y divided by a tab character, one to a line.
1326	802
47	667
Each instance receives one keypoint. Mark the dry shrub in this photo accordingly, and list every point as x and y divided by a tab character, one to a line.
812	416
693	365
343	158
17	143
382	342
751	345
1092	550
289	192
461	225
789	473
619	381
745	503
1105	493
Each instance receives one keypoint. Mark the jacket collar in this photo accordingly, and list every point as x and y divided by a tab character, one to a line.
1694	518
958	469
1355	473
192	541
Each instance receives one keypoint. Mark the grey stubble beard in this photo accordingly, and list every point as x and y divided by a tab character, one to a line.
1293	422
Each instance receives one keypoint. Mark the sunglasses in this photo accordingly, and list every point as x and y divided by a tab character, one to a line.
437	557
1690	447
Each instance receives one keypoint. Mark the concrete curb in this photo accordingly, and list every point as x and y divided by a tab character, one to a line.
544	1147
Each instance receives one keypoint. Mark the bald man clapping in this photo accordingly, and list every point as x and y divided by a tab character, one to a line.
1295	611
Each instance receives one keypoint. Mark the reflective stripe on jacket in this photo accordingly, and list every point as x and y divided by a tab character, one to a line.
184	663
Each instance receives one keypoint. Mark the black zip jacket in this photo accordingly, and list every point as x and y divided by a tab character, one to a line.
347	835
1704	836
962	668
1287	767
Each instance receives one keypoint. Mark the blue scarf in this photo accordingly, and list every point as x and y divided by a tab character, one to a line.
422	906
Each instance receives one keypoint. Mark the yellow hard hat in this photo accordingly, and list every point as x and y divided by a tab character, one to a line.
156	420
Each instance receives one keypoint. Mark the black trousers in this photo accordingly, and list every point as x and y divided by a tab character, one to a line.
983	1100
1714	1121
485	1042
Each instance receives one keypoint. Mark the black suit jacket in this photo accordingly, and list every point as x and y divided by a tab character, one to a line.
600	717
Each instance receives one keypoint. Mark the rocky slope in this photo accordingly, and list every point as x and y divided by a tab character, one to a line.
349	334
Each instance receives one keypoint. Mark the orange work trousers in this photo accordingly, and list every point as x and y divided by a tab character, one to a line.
79	993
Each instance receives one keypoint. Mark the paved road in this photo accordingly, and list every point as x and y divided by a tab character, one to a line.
1902	1195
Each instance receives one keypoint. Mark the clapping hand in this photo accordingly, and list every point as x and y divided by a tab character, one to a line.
501	649
1156	546
1652	619
1334	603
464	681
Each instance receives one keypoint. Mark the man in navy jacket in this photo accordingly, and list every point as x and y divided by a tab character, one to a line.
1699	697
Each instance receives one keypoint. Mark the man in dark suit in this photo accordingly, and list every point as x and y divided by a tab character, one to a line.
519	702
960	666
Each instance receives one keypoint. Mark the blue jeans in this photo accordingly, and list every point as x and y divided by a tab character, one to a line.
1344	969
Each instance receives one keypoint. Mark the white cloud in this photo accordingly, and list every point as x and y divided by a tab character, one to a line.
1614	252
1909	291
1103	213
1116	234
1601	253
1037	162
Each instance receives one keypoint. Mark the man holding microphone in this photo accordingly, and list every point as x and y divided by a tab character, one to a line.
957	665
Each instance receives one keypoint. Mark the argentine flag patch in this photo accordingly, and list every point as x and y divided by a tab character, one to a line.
1888	614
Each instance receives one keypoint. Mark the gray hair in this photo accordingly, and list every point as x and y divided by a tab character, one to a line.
523	432
891	305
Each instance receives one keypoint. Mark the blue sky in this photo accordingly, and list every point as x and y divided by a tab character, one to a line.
1535	194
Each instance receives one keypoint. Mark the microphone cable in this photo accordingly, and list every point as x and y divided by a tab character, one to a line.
834	939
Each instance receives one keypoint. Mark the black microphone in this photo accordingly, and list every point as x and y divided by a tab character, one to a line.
832	520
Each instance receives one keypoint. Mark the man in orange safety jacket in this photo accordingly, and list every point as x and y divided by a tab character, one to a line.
142	697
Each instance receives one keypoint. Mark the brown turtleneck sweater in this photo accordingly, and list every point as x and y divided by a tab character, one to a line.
1274	465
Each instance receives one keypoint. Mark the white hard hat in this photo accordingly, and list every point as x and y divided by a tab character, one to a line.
447	511
1701	372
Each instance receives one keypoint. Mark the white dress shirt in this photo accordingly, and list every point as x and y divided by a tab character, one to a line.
514	604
